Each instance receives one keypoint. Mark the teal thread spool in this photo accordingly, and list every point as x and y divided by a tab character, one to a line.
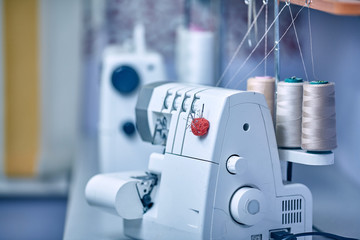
318	82
319	117
293	80
289	112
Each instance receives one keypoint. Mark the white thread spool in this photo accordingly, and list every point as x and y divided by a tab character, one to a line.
264	85
289	112
195	56
318	118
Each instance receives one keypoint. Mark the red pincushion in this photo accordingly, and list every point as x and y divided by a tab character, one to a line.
199	126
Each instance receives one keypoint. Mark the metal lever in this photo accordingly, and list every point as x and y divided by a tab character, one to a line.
144	189
161	132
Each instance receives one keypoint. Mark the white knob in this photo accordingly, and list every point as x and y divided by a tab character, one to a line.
186	104
167	102
247	206
177	102
234	164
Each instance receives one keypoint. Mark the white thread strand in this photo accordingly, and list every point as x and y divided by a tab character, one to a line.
264	85
239	46
311	47
289	114
256	25
254	49
318	118
250	7
282	36
266	23
298	43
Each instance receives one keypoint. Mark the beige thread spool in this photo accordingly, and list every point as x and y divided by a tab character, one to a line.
289	112
266	86
319	117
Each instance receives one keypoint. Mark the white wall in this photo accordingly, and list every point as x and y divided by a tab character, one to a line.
61	66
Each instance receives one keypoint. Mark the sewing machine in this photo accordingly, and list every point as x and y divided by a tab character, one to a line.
124	70
225	184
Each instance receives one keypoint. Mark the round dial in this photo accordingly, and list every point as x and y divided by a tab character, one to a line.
125	79
247	206
129	128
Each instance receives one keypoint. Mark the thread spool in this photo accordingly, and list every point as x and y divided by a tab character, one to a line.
195	56
266	86
318	118
289	112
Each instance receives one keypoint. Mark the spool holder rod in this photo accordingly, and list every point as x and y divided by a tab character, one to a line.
276	57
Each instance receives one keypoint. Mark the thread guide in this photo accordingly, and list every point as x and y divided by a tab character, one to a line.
307	158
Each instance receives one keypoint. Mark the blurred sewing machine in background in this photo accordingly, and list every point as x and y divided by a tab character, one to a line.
124	70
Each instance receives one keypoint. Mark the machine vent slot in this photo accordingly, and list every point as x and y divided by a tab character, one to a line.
291	211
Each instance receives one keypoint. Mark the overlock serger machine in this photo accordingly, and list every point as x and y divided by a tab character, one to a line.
224	183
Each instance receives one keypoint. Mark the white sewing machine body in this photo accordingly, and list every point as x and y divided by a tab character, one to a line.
124	70
224	185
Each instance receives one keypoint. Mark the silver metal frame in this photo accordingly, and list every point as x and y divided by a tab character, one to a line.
276	56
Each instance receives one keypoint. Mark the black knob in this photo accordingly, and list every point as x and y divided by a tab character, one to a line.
125	79
128	128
